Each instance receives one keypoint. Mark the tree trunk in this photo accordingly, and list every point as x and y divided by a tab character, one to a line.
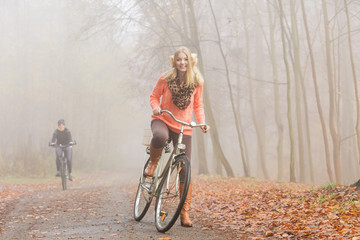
357	127
291	134
261	151
356	185
279	125
317	94
332	110
296	69
245	165
200	152
243	147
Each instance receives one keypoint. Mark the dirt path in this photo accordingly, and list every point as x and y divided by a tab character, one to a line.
97	207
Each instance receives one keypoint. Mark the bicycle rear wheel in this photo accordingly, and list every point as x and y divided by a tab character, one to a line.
63	173
168	202
143	196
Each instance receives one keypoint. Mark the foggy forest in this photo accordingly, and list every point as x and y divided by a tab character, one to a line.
281	87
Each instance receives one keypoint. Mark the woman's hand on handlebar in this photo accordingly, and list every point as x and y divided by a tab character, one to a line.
205	129
156	111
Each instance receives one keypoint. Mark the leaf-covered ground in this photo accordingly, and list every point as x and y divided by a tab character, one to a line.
95	206
258	209
10	193
250	208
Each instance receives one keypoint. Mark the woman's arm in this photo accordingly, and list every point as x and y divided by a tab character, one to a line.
54	137
69	136
199	109
156	96
198	105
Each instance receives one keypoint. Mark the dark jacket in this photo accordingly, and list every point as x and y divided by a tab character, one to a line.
61	137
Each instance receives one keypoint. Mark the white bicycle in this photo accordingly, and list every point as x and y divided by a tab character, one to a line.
165	183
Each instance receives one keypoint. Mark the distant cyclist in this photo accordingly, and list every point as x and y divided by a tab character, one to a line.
62	136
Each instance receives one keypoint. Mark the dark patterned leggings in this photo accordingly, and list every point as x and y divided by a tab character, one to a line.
161	133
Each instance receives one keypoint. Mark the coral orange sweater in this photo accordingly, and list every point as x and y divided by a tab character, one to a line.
161	98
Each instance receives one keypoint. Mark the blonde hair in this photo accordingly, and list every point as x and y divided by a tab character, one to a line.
193	77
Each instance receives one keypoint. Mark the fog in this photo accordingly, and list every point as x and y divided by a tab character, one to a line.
49	72
280	84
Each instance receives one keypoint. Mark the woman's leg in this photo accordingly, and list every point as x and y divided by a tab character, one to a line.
58	163
160	135
68	154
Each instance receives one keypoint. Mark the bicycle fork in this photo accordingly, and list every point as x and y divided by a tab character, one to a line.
178	169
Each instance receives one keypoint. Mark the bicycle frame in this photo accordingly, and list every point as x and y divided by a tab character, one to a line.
63	161
62	147
165	183
63	153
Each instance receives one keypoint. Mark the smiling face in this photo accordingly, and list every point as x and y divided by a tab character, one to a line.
181	62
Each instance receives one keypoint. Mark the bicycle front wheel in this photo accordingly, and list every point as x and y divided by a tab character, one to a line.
169	202
143	196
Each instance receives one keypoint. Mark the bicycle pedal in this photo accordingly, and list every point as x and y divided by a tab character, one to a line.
167	148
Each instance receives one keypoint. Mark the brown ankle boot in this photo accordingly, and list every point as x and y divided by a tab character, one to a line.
184	215
155	154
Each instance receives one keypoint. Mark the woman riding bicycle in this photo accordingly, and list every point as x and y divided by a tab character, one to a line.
181	91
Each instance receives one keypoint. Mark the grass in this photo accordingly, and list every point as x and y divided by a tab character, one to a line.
22	179
17	179
329	186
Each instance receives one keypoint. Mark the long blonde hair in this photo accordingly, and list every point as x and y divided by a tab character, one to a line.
193	77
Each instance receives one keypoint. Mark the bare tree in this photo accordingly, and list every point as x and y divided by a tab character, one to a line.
353	68
357	127
289	115
297	78
214	132
251	99
279	124
244	161
332	93
317	94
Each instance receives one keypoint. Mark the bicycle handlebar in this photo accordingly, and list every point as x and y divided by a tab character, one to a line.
62	146
191	124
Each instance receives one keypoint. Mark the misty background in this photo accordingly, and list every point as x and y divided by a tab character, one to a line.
280	95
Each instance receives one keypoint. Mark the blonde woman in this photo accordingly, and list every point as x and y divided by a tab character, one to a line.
180	90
